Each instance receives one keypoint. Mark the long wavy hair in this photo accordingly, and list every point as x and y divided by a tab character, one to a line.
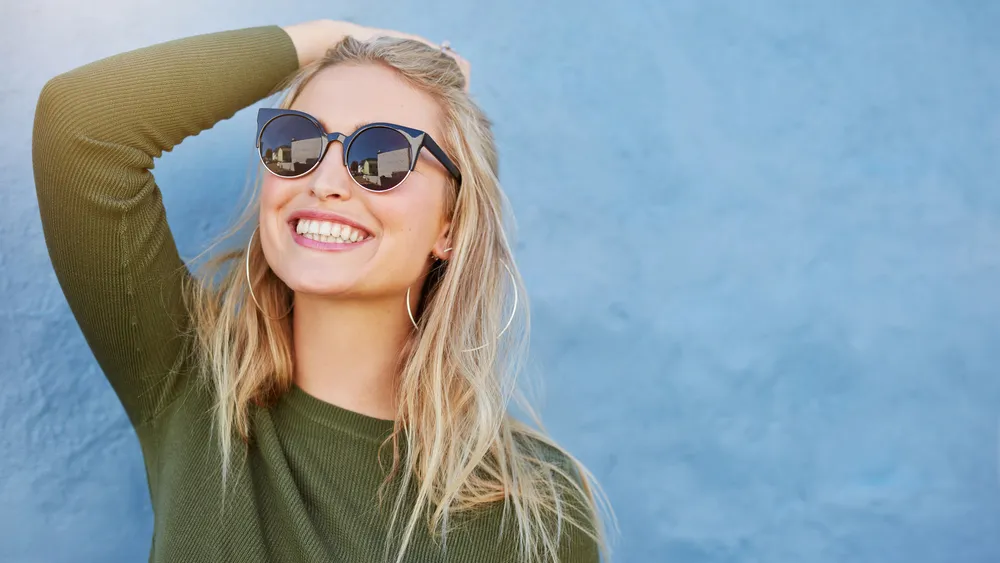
454	442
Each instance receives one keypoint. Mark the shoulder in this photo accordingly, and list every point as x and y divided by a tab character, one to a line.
577	518
546	453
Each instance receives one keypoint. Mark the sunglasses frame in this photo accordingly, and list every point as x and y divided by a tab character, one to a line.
417	139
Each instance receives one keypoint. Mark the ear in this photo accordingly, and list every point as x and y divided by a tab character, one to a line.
442	246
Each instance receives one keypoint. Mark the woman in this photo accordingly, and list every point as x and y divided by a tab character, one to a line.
337	389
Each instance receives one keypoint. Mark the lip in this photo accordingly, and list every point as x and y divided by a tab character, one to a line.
319	245
326	216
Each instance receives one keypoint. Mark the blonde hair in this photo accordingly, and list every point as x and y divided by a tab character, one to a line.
461	449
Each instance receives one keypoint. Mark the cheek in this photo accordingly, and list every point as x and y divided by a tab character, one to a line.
413	218
270	194
273	195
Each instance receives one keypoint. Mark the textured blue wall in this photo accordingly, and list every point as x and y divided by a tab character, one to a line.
762	244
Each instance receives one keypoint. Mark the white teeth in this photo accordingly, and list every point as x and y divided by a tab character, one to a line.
325	231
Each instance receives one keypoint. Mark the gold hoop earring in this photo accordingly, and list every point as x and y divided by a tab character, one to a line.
250	284
513	311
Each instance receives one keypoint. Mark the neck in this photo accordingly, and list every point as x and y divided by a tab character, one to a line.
346	351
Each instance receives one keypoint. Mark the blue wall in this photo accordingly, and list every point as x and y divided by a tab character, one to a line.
762	243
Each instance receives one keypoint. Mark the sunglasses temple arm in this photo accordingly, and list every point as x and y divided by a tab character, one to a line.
442	157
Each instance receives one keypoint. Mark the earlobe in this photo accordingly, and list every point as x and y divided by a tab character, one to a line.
442	255
443	246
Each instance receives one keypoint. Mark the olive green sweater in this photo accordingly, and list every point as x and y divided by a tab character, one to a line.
305	489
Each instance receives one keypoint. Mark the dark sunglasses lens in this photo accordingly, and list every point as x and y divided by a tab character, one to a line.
290	145
379	158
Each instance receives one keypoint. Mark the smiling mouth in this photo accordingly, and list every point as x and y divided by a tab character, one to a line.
329	231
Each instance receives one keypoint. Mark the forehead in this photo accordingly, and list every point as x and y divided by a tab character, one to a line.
344	97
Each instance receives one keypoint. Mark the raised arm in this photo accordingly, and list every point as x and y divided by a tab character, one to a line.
97	130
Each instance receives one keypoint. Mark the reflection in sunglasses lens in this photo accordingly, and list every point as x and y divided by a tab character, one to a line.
379	158
290	145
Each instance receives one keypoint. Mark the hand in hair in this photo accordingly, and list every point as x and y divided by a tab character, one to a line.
313	38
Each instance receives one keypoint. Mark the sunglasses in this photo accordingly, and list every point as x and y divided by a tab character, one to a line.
379	156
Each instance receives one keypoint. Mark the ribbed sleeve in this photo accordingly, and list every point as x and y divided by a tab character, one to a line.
97	130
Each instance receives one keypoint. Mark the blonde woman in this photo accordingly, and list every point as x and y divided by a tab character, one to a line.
337	387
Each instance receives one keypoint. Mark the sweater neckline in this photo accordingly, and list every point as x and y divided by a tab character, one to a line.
336	417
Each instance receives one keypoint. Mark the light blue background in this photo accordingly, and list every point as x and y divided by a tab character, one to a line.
762	241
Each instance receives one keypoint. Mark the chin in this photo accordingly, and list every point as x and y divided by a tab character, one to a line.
321	285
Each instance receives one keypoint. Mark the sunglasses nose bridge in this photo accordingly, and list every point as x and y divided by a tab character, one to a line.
339	138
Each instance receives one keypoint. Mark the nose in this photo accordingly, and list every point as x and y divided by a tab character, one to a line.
331	179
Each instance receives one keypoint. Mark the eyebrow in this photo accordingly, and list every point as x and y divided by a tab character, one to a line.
359	125
356	126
